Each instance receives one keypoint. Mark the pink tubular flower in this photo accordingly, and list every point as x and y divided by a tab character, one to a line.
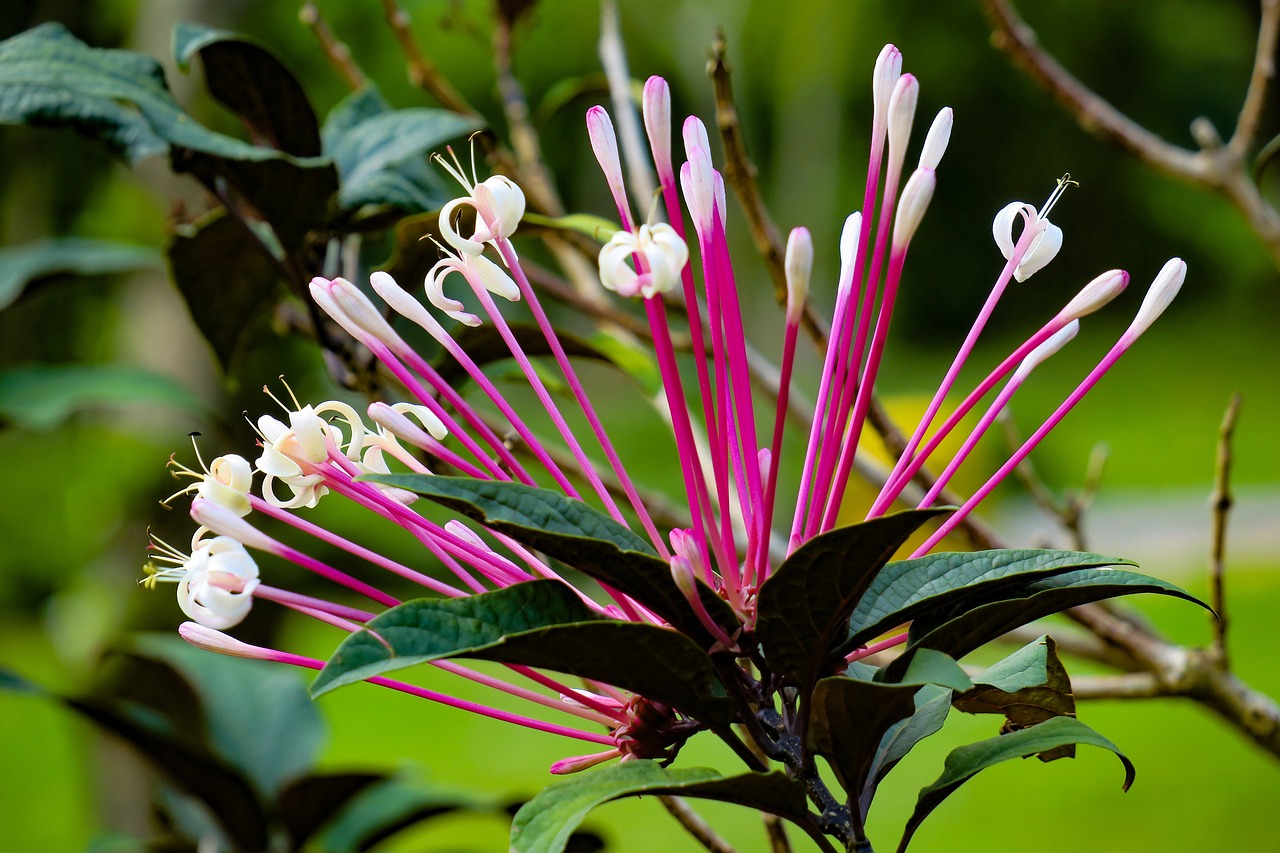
727	543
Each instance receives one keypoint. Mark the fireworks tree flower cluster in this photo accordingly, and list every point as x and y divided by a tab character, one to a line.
759	619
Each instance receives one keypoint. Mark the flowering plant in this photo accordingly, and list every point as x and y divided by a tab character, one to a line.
791	639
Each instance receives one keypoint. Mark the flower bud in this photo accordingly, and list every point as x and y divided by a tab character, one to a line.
902	112
935	143
1095	294
604	144
915	199
798	266
884	78
656	106
228	483
209	639
1162	292
850	236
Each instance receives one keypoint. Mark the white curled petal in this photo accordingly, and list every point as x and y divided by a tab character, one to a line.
426	417
451	236
271	428
273	463
310	430
1043	249
499	206
1002	225
435	292
615	273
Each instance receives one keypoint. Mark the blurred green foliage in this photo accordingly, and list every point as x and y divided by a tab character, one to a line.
83	488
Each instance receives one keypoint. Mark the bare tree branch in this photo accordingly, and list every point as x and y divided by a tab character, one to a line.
694	824
1221	501
337	52
1220	168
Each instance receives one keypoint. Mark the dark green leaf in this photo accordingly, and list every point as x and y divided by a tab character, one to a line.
538	623
963	763
259	717
545	823
932	706
226	792
49	77
384	809
909	589
26	264
41	396
1028	687
226	277
11	681
848	719
380	152
312	801
957	634
253	83
577	535
804	606
432	628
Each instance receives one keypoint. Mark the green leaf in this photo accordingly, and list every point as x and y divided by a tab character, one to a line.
544	824
384	809
537	623
39	397
428	629
226	277
49	77
380	151
910	589
963	763
259	717
848	719
577	535
312	801
1027	687
596	227
929	666
252	82
804	606
958	633
29	263
932	703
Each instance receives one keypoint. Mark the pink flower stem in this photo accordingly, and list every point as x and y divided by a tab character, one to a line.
426	398
1027	446
876	648
292	599
735	336
352	548
823	408
694	483
293	555
966	348
473	370
779	425
539	388
849	444
443	699
548	331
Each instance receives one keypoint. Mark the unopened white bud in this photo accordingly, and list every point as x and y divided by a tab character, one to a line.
404	303
935	143
915	199
682	574
1163	289
207	638
393	418
885	77
228	483
902	113
850	236
798	266
1056	342
224	522
604	144
1095	294
656	107
695	136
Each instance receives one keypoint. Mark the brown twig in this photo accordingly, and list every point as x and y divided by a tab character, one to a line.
1220	168
1221	501
422	72
535	179
740	175
337	52
776	831
694	824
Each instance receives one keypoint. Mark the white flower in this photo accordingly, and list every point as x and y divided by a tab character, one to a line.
664	255
215	582
497	201
479	271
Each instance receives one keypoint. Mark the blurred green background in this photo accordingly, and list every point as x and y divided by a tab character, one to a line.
83	483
